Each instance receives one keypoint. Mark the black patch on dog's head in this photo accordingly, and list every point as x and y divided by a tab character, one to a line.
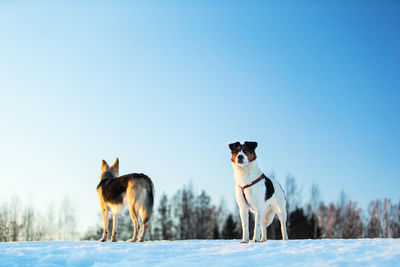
248	149
235	147
250	146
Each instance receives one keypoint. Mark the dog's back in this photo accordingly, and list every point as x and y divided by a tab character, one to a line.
137	189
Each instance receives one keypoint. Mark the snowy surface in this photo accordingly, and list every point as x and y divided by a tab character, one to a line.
362	252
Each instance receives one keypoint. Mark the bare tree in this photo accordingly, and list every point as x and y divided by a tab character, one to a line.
66	221
387	204
50	233
314	203
14	225
353	225
4	231
394	216
292	198
292	194
40	228
374	228
28	223
327	220
221	216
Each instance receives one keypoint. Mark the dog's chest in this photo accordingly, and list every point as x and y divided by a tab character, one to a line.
258	191
254	193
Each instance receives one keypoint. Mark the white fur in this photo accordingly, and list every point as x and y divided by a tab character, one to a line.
264	211
245	160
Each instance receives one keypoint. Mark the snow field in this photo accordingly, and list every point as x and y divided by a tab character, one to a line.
328	252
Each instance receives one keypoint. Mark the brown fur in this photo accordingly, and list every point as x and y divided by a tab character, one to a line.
251	156
234	155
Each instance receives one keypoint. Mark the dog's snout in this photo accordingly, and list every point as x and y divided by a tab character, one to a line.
240	158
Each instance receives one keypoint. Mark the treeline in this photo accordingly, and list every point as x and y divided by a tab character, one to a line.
20	222
186	215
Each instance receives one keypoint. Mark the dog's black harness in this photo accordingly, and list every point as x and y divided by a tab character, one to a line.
268	183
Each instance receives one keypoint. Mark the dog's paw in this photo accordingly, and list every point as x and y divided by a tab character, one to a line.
255	241
113	239
102	239
263	240
131	240
244	241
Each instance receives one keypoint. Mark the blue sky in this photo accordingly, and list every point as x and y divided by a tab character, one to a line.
166	86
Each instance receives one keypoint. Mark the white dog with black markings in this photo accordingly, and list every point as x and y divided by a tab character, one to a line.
256	193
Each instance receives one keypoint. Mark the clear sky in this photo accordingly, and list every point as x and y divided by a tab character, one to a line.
167	86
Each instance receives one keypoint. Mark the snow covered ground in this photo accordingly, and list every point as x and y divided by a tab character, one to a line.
362	252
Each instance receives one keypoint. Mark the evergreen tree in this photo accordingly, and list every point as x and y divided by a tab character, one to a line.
301	227
205	216
230	230
216	234
164	221
184	212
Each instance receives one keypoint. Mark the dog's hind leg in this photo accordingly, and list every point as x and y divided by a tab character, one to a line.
146	211
263	231
282	215
104	212
135	223
145	224
269	217
115	226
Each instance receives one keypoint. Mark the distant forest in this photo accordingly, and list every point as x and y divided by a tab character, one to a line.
186	215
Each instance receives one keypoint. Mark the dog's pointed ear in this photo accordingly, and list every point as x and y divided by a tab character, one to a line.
104	166
251	145
233	146
115	167
116	163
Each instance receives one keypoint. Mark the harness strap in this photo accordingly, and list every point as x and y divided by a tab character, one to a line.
251	184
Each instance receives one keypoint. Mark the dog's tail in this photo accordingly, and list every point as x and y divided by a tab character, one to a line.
149	201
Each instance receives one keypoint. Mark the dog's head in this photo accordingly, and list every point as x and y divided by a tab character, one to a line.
112	170
243	154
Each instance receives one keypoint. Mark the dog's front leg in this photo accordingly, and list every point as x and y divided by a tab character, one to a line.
104	212
257	226
115	226
244	217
